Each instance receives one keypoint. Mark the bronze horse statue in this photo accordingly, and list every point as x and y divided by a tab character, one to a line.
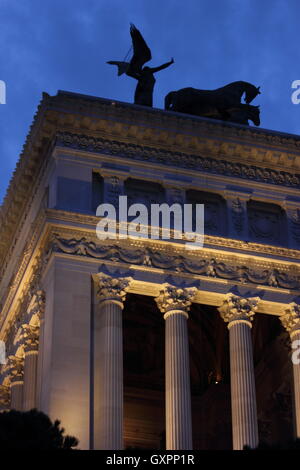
223	103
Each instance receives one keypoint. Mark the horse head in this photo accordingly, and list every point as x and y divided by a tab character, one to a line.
251	92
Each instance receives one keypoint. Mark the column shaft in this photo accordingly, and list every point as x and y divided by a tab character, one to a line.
109	377
16	388
296	373
178	394
243	394
30	380
291	322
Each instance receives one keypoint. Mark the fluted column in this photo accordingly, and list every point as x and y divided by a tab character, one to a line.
238	312
36	312
16	382
291	321
108	338
174	303
31	343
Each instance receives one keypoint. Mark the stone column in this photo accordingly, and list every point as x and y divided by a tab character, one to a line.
291	321
16	382
31	344
174	303
238	313
36	315
108	340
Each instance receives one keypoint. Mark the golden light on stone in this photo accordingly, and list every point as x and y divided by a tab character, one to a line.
64	292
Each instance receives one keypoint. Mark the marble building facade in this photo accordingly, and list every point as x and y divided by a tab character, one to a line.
211	328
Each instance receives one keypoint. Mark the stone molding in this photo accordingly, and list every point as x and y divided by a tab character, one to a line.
236	309
291	319
178	159
230	268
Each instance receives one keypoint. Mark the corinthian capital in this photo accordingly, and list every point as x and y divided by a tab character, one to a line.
112	288
4	395
15	367
236	308
291	319
30	337
175	299
37	304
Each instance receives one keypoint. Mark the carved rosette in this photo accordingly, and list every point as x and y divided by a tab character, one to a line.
4	395
238	309
174	299
112	289
291	319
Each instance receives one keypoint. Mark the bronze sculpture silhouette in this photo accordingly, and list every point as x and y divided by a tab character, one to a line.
223	103
134	68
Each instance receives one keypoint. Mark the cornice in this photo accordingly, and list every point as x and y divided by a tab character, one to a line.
140	132
116	111
226	165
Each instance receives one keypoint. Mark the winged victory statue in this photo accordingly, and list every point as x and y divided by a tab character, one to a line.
135	68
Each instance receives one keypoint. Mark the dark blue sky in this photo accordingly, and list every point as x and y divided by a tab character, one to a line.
62	44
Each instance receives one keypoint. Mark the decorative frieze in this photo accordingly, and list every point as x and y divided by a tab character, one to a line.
178	159
200	265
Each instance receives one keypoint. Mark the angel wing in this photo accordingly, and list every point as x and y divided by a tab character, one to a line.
141	52
122	66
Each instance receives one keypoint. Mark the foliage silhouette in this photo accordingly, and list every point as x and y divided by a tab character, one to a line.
32	430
